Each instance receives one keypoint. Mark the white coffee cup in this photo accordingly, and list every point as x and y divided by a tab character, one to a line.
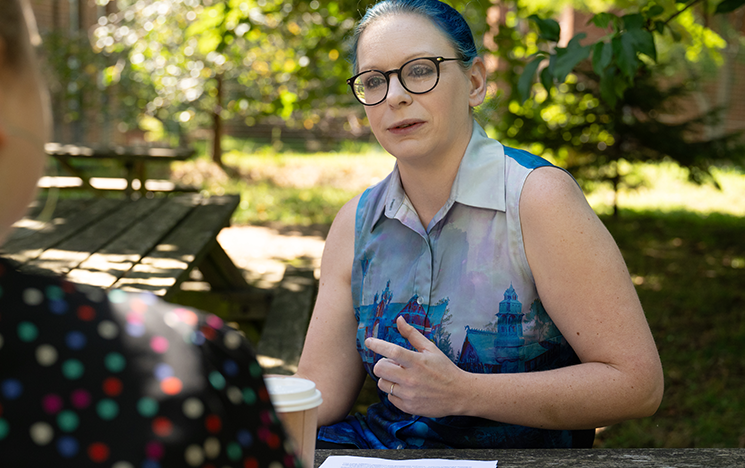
296	402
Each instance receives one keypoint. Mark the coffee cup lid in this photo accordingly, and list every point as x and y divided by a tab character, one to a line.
290	394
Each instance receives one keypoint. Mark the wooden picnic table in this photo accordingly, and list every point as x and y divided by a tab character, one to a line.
134	159
574	458
148	244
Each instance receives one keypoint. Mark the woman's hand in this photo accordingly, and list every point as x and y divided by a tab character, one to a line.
425	382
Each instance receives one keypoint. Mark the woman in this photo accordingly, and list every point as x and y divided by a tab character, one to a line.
118	380
474	284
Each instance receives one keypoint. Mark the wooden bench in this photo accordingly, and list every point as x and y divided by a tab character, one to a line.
283	334
149	244
134	159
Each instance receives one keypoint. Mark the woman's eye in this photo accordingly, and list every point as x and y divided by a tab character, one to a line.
373	82
420	71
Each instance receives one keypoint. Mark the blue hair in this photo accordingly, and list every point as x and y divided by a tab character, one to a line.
443	16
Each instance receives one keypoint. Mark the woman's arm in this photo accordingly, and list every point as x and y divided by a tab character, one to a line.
330	357
585	287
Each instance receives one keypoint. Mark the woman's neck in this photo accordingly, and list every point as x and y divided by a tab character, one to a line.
428	183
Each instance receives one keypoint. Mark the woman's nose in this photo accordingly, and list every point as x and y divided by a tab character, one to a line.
397	94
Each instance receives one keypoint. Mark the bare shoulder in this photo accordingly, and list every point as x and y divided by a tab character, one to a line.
338	252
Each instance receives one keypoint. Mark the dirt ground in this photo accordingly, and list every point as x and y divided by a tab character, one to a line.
263	252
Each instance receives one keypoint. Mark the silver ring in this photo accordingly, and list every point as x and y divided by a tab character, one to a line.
391	392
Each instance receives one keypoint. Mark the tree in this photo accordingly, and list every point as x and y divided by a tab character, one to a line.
599	104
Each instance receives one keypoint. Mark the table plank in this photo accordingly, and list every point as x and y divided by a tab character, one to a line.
105	267
59	229
170	262
575	458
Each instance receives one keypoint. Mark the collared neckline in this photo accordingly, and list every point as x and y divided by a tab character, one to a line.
479	182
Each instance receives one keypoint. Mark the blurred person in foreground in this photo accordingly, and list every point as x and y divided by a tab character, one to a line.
95	378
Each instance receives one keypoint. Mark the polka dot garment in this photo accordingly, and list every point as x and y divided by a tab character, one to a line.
120	380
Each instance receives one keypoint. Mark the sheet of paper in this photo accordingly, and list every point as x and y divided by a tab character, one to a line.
366	462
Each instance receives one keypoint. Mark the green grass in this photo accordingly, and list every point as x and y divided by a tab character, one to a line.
684	245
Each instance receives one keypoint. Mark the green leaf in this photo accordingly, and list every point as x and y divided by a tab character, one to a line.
548	29
607	88
546	79
633	21
655	10
526	79
602	20
625	53
727	6
659	26
602	55
568	58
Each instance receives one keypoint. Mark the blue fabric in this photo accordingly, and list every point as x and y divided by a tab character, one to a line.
464	282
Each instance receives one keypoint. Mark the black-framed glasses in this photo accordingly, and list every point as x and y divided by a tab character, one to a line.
417	76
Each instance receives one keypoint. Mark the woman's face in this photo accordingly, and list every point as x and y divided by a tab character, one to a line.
417	128
24	128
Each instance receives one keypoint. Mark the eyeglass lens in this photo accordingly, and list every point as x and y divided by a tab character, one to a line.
418	76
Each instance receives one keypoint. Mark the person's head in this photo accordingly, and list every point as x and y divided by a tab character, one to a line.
429	114
24	113
443	16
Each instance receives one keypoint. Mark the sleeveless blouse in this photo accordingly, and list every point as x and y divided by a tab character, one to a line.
464	283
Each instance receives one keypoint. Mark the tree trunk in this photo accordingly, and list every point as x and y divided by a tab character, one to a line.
217	124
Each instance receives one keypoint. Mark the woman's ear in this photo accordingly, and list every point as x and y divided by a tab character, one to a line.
477	80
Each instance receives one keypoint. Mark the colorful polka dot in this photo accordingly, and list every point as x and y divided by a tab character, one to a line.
245	438
249	396
112	386
217	380
4	428
27	332
212	447
108	329
52	403
171	385
162	426
147	407
80	398
73	369
154	450
11	388
75	340
234	451
162	371
67	421
250	462
117	296
135	329
197	338
230	367
123	464
58	307
107	409
232	340
98	452
159	344
194	455
32	297
255	369
214	321
193	408
67	446
41	433
54	293
208	333
114	362
86	313
46	355
235	395
213	423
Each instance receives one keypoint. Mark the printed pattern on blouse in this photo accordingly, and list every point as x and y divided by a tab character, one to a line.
465	284
124	380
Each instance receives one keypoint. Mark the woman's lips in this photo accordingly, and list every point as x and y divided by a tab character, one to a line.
405	127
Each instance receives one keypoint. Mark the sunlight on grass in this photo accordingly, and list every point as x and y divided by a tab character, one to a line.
666	188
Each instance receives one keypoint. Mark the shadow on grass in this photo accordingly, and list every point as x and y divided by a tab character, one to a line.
690	275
